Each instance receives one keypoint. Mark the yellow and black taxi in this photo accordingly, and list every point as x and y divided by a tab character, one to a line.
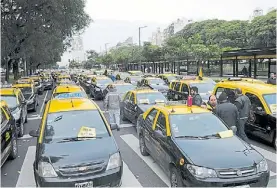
135	73
197	149
47	81
122	75
86	82
121	88
8	134
17	105
68	152
133	80
181	89
24	80
67	90
98	85
38	84
137	101
63	77
28	91
262	122
99	72
155	83
167	78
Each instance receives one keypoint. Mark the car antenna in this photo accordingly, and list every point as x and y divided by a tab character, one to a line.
72	103
172	110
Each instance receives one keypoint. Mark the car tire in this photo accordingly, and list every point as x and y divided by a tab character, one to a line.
175	178
122	116
14	147
21	128
142	147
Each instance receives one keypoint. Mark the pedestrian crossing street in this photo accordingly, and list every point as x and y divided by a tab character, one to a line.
129	179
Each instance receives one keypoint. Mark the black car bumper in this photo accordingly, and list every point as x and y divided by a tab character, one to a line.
258	180
110	178
98	94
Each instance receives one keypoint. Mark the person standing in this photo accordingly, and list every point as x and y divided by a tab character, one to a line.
227	111
196	98
243	104
211	104
112	104
272	79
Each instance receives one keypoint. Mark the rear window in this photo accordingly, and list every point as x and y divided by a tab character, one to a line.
63	125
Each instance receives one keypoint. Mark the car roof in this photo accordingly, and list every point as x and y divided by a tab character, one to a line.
22	85
250	86
181	109
9	91
145	90
72	104
67	88
152	78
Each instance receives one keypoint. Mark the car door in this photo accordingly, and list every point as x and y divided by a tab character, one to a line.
132	108
6	136
184	92
258	122
148	131
125	104
23	104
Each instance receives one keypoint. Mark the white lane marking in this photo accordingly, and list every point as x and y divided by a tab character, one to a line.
267	154
126	125
26	177
43	103
133	142
35	115
128	178
26	136
33	118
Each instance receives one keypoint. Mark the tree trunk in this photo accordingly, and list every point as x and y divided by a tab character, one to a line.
15	69
8	67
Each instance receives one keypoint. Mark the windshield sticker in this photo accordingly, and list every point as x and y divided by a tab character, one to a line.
273	108
144	101
87	132
226	134
68	95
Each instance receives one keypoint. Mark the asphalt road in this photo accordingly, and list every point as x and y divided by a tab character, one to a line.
139	171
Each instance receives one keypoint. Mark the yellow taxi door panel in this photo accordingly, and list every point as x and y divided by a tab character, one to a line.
150	120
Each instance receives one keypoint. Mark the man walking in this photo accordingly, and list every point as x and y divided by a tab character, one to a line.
227	111
243	105
112	103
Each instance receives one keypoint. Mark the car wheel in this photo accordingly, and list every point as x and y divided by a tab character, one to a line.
122	116
21	128
14	151
142	147
175	179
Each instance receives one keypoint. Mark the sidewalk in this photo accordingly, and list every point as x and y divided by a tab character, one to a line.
272	183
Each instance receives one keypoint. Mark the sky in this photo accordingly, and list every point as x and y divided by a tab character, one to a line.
116	20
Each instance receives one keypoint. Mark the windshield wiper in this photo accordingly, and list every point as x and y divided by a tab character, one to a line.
58	118
189	137
73	139
199	137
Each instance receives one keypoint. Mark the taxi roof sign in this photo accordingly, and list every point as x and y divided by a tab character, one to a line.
69	95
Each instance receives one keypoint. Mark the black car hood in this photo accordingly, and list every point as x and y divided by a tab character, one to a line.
73	153
27	96
159	86
219	153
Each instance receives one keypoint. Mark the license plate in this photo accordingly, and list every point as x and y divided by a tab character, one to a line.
84	184
243	186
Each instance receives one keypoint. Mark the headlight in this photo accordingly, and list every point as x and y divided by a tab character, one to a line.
97	89
114	161
262	166
201	172
16	114
46	170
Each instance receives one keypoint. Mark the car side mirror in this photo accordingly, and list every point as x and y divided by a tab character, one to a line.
34	133
158	134
234	129
46	101
259	109
114	126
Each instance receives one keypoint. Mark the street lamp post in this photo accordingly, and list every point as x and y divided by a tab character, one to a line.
140	45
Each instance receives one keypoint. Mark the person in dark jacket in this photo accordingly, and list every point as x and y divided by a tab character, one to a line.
211	104
243	105
227	111
196	98
272	79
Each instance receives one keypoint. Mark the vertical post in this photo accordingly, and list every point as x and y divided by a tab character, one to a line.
237	67
269	64
221	66
234	68
178	67
174	67
188	66
250	68
255	67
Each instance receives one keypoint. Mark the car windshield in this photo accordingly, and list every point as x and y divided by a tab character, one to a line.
11	100
201	124
270	100
70	95
151	98
170	78
26	90
203	87
156	81
69	124
135	79
104	81
124	88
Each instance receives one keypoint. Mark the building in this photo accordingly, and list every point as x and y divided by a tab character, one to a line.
77	49
157	37
257	12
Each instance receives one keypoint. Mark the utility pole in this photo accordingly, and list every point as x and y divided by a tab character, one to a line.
140	44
